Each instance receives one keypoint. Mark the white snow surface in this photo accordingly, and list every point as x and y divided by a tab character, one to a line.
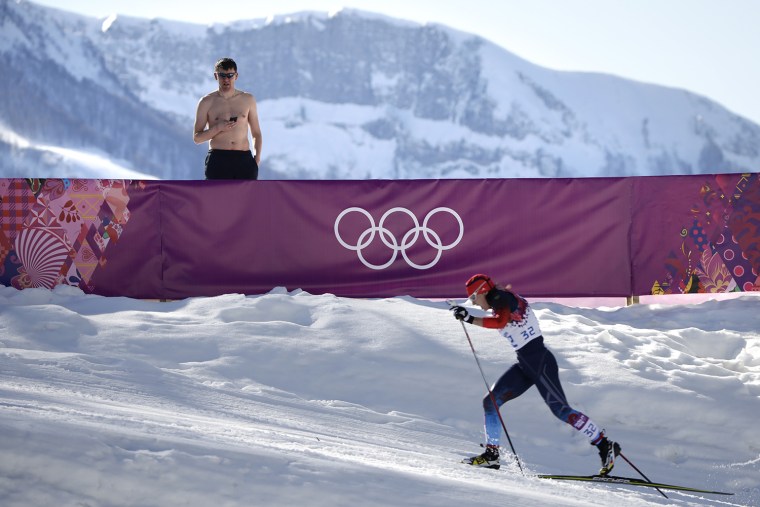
289	398
60	162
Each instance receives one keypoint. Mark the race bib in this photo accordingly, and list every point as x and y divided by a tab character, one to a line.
521	332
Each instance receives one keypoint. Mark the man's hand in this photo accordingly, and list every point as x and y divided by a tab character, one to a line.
203	135
226	126
461	313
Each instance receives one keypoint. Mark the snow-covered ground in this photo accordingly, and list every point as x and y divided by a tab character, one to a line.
47	161
297	399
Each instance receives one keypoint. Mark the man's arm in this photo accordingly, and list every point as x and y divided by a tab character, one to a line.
253	122
201	134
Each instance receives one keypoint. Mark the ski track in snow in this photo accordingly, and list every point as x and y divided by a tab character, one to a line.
318	400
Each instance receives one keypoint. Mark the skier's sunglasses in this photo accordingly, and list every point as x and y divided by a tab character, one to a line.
228	75
477	291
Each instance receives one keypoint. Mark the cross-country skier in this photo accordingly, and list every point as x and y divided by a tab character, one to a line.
536	365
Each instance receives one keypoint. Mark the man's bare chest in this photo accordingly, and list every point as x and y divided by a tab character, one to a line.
225	109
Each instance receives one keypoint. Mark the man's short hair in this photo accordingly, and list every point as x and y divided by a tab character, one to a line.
225	64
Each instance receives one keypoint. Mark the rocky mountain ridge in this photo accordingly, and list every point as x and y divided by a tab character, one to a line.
351	95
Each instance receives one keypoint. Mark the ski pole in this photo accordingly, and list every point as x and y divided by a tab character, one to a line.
493	399
641	473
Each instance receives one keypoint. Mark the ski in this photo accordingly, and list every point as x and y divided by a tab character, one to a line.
628	481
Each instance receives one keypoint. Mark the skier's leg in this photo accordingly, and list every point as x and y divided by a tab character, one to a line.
510	385
544	366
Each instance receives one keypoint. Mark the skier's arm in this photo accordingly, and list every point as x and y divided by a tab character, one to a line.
504	303
498	321
495	322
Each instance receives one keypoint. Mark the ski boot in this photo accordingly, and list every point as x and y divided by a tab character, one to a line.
608	451
489	459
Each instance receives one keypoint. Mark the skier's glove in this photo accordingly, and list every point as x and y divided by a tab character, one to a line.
461	313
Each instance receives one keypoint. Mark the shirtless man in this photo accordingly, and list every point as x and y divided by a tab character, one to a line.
223	118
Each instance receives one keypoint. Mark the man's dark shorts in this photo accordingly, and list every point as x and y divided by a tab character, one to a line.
231	165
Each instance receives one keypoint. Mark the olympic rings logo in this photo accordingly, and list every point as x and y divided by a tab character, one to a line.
409	238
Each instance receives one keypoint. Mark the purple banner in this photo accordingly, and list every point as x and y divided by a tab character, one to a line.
696	234
385	238
133	266
58	231
378	238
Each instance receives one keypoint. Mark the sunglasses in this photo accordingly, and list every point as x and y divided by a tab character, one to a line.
471	299
228	75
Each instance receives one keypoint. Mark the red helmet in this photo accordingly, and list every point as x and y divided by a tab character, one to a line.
479	284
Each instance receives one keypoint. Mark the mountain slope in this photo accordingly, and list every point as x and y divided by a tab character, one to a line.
350	95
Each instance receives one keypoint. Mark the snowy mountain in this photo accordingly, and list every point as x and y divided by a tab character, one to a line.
350	95
295	399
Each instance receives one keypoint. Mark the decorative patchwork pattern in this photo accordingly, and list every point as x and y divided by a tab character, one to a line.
42	255
5	248
15	203
57	231
720	246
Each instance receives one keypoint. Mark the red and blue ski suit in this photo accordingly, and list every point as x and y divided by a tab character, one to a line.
536	365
